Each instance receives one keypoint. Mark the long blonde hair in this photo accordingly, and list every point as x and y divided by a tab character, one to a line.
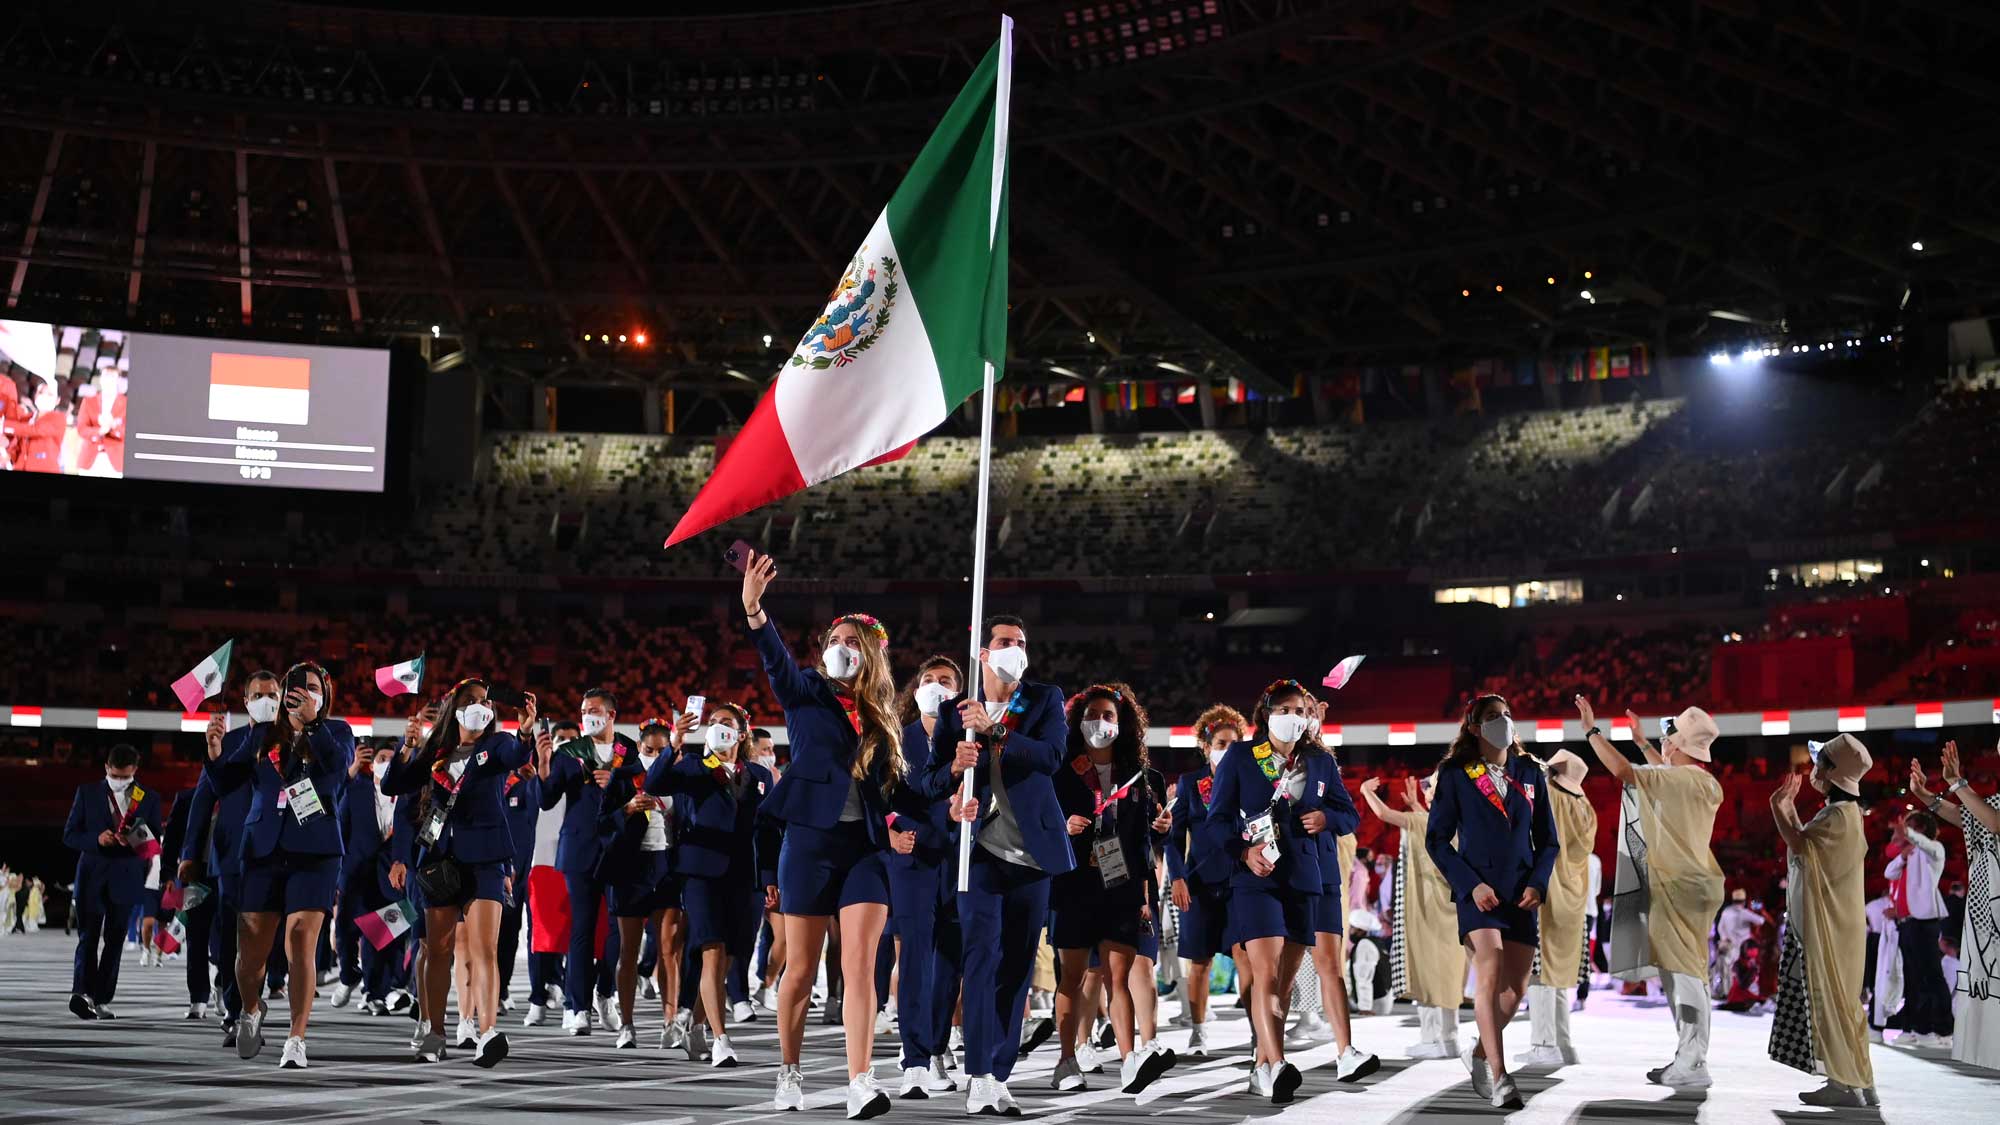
874	690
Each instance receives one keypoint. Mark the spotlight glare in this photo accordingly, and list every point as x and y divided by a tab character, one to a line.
1465	292
1499	289
621	337
1917	246
1551	281
1585	294
767	339
639	339
434	332
1720	359
1586	275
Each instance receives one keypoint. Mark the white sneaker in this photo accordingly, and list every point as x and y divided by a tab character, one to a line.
607	1012
294	1057
767	999
940	1080
400	1000
327	976
1917	1041
576	1023
1008	1106
196	1012
1541	1055
791	1089
1068	1076
506	1004
250	1033
675	1035
1505	1094
1438	1049
722	1053
627	1040
1355	1064
697	1042
1875	1036
1685	1078
1285	1079
883	1025
491	1048
1834	1094
536	1014
341	993
742	1012
983	1096
1088	1060
1198	1041
1482	1079
957	1039
468	1034
865	1098
1260	1079
1142	1067
915	1082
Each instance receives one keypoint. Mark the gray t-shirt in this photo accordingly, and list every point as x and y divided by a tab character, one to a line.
1000	832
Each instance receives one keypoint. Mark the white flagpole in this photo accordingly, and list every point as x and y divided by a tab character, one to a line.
1004	82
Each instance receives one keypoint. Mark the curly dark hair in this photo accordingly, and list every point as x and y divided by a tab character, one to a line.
1217	716
1465	744
906	700
1128	750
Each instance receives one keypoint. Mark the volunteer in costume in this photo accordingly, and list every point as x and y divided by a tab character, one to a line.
462	850
1825	941
847	758
576	776
1198	874
1329	952
1266	811
636	833
1677	801
923	894
1493	836
1562	917
297	767
1104	904
1427	963
715	862
1976	1037
108	822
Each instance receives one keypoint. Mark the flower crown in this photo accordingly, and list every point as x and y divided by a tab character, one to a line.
1286	686
866	623
654	721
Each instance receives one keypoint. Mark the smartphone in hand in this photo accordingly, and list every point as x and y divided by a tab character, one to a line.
738	555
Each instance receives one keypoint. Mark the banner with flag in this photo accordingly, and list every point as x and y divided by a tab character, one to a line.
907	331
205	680
401	679
387	924
1343	672
267	389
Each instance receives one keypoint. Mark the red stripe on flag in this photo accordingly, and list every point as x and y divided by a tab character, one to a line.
757	469
896	454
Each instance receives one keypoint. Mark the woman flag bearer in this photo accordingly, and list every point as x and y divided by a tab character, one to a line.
1562	917
1492	834
1821	968
297	767
847	758
1427	964
462	850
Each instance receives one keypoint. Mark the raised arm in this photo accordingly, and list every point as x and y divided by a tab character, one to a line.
1969	799
1786	813
1653	755
1614	760
1371	790
788	681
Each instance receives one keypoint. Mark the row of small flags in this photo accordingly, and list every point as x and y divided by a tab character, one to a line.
205	680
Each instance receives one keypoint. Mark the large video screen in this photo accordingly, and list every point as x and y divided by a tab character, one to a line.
99	402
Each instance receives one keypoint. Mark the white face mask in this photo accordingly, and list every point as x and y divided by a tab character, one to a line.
118	784
593	725
1100	732
720	737
319	701
475	717
381	766
263	709
768	761
840	662
1498	731
1008	663
1215	757
931	696
1286	728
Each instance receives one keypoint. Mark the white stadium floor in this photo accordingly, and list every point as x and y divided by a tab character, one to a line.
149	1065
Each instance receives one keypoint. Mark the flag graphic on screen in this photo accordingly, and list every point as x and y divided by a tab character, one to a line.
387	924
206	678
274	390
401	679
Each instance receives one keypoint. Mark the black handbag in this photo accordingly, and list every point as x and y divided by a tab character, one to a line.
442	881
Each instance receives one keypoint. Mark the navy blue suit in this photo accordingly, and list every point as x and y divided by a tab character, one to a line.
201	920
579	849
1342	818
110	880
364	889
1087	911
1279	904
1508	852
523	796
1193	856
1002	915
923	905
215	841
476	832
813	791
267	828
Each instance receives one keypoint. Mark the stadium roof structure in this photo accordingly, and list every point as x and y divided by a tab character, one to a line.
1259	189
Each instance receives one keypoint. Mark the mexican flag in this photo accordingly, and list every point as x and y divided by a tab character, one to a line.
173	937
205	680
908	329
387	924
401	679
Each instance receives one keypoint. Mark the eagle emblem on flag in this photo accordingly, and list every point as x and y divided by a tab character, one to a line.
856	313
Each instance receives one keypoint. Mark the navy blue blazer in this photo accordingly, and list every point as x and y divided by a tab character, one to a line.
1508	853
1130	819
268	828
937	836
580	846
715	822
619	835
117	869
1028	763
215	820
1341	818
359	829
403	844
173	838
1190	855
522	792
1243	792
477	830
813	791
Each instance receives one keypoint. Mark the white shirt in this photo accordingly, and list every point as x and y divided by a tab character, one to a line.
1918	868
548	830
1291	784
1104	779
1499	776
121	799
1596	879
655	839
385	806
603	751
1737	924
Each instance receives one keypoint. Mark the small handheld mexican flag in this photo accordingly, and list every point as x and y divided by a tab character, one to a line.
387	924
174	936
401	679
908	329
206	679
143	842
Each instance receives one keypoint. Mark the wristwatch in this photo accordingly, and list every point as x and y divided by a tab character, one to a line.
1955	786
1592	732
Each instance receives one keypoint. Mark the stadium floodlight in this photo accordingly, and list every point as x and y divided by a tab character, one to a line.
1917	246
640	339
1720	359
1176	368
767	339
1584	294
1586	275
434	332
621	337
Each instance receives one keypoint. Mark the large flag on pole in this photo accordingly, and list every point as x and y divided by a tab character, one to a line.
907	330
